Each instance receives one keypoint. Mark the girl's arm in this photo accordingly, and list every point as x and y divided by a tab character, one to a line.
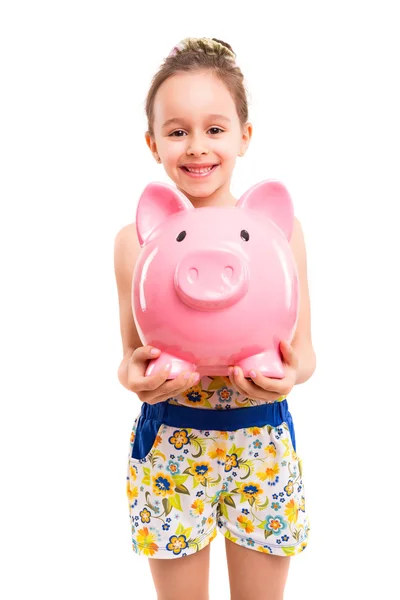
302	342
126	252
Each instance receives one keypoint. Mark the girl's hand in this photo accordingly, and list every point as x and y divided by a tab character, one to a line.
155	388
266	388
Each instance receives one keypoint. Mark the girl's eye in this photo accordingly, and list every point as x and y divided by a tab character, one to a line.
181	236
245	235
216	131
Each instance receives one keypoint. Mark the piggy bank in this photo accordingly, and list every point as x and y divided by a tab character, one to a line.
215	286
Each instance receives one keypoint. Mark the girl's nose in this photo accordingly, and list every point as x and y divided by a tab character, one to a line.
196	147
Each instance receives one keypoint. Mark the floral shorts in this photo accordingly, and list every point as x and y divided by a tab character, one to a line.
187	482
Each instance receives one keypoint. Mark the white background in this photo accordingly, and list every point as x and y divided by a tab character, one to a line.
324	103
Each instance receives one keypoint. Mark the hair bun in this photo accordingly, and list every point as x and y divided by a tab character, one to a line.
206	45
225	44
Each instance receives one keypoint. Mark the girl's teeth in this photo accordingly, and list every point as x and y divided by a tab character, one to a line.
199	170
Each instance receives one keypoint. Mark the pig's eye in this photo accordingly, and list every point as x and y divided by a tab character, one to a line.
181	236
244	235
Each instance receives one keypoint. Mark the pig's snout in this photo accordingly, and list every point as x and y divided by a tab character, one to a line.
211	279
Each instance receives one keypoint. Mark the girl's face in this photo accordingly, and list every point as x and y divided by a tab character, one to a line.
196	123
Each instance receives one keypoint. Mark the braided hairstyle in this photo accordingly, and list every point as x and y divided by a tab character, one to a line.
198	54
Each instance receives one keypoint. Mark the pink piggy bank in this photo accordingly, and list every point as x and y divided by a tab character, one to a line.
215	286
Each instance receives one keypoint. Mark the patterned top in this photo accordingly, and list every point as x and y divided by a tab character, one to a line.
216	393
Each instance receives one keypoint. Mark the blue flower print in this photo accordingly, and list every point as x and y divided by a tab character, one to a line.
225	394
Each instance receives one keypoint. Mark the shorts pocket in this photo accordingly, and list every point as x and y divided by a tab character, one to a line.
145	438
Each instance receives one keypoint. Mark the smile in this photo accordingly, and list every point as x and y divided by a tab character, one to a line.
199	172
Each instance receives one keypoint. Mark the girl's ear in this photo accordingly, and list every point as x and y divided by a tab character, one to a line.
158	202
271	199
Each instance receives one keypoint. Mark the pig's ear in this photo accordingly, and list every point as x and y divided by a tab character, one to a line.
272	199
158	202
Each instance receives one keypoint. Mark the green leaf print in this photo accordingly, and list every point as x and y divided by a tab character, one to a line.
175	501
146	478
229	501
264	505
247	465
219	382
200	446
267	533
289	551
180	530
230	536
182	489
179	479
214	481
167	506
148	501
224	510
237	451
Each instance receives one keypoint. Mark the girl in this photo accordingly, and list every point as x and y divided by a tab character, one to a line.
240	474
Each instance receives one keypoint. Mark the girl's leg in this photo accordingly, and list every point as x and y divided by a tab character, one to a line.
255	574
186	576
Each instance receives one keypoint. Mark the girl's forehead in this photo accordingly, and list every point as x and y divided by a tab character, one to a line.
192	95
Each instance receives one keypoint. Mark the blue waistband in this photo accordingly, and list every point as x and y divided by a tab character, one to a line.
152	416
222	420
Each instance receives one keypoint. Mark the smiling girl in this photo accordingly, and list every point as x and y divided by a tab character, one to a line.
240	475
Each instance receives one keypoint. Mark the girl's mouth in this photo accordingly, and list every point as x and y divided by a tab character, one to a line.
199	172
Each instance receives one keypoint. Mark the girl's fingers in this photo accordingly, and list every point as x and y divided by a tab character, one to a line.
176	386
145	353
249	389
138	382
269	384
288	354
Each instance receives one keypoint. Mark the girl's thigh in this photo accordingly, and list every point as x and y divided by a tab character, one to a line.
264	574
183	577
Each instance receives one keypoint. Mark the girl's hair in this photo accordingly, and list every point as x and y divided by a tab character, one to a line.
195	54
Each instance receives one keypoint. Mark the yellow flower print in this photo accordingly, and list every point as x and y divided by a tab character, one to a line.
302	504
179	438
253	430
145	541
217	452
201	470
289	488
231	462
223	434
132	473
131	492
292	510
286	443
163	485
145	515
245	523
269	474
198	507
196	395
177	543
250	490
157	441
270	450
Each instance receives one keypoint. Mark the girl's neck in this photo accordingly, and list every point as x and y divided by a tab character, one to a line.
220	197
